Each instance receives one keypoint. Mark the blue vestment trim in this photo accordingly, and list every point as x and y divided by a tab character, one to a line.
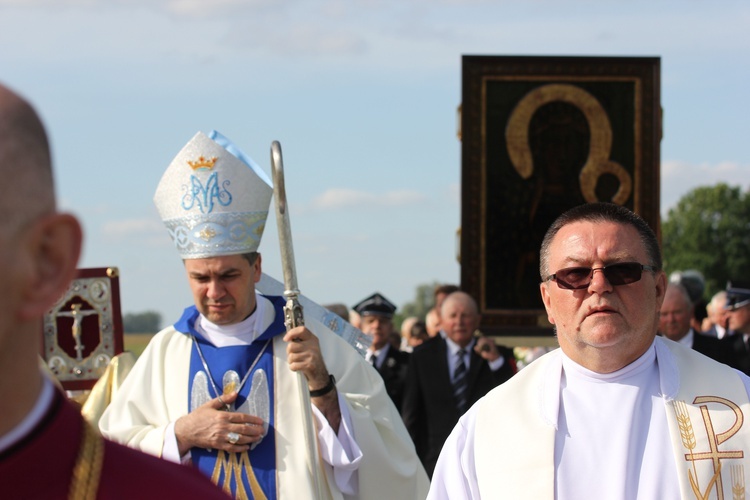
262	458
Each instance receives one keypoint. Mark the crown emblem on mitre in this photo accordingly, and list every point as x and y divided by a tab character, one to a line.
213	199
202	163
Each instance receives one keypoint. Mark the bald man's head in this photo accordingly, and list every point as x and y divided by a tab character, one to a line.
459	317
25	164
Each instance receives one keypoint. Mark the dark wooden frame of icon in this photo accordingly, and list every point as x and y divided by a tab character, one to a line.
541	135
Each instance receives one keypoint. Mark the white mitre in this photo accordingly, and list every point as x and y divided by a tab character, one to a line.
213	199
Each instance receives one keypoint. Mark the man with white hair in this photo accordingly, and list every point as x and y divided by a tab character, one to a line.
674	324
448	373
718	316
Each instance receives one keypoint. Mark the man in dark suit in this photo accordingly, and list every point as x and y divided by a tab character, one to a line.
376	313
447	374
738	305
674	323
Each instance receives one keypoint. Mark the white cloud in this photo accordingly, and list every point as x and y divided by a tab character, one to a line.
337	198
128	228
677	178
299	38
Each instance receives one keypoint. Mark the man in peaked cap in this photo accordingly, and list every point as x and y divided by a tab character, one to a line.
218	387
738	298
376	313
738	331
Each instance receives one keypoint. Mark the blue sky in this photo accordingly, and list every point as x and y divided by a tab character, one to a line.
362	96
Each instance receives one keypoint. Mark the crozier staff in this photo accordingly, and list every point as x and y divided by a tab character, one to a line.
616	412
218	388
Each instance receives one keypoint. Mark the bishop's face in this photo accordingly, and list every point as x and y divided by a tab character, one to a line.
223	287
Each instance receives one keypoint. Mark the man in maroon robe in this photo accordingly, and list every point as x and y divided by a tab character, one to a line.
46	448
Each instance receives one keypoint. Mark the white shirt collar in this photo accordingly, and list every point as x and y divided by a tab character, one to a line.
453	348
242	333
33	418
669	379
379	355
687	340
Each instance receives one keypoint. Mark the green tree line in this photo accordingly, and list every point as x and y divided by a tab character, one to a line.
145	322
709	231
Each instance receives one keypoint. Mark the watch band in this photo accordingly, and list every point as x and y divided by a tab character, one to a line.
324	390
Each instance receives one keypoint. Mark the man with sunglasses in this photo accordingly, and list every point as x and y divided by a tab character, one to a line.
617	412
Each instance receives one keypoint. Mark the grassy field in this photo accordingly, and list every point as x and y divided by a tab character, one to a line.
137	342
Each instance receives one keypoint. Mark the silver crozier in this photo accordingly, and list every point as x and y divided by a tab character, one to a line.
293	310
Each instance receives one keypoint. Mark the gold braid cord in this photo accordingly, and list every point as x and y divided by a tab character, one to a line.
85	481
232	465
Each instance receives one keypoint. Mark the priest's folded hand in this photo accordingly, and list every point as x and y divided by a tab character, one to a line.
210	426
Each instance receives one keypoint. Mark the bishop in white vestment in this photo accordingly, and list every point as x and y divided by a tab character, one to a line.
219	389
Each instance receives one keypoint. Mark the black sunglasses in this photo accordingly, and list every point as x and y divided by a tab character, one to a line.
622	273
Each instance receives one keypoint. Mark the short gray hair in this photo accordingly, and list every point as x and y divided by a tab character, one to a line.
601	212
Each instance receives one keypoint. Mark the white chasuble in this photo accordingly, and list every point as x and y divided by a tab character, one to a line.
673	424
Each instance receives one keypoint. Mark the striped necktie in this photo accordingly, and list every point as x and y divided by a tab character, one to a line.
460	381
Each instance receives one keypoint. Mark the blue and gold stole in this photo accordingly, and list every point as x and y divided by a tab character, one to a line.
251	474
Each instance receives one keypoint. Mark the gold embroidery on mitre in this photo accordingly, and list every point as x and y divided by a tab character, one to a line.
689	441
207	234
203	163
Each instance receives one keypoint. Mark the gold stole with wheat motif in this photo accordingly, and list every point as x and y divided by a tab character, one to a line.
709	428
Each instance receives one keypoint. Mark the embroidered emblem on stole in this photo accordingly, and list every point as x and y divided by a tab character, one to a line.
713	447
251	474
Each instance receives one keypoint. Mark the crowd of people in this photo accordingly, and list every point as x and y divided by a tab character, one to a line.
231	401
717	328
432	376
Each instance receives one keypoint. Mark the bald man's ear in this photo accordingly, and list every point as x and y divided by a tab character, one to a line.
53	246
